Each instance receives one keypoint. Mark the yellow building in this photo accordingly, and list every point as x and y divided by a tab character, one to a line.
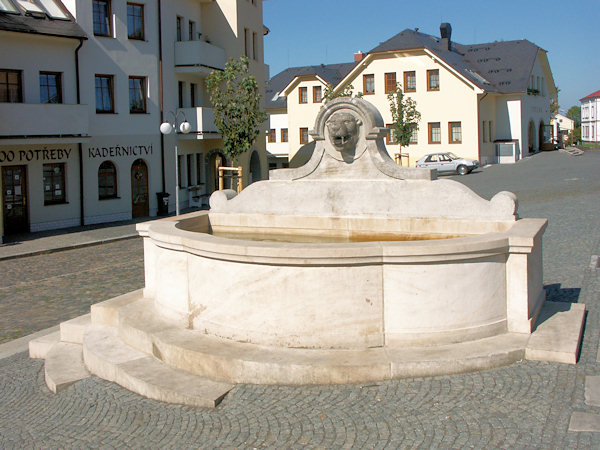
472	98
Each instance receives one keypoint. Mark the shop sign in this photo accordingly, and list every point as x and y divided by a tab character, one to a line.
117	150
45	154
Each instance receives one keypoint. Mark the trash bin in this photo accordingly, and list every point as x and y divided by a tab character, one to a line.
163	203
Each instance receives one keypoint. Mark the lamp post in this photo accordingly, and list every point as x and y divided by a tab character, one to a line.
183	128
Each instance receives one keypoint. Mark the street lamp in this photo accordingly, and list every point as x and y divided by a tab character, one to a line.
183	128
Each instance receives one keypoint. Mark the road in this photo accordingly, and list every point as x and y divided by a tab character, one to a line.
524	405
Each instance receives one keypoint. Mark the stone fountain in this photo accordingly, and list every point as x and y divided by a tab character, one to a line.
348	269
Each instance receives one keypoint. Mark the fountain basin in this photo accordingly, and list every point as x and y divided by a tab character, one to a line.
344	295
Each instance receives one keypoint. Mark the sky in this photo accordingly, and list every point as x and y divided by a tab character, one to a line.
307	32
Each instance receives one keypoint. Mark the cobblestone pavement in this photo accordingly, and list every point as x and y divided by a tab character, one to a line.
524	405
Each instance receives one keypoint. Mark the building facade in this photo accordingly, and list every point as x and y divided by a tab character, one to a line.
471	97
590	120
93	152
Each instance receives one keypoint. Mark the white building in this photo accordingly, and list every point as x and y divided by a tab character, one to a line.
94	153
562	127
590	120
489	101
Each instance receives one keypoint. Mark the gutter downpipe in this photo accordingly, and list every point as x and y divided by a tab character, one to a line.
79	145
160	94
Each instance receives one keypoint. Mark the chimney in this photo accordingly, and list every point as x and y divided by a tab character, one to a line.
446	33
358	56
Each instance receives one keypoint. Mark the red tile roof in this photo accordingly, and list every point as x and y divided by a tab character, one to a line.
592	95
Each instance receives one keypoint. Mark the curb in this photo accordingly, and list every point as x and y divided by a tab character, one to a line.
68	247
22	344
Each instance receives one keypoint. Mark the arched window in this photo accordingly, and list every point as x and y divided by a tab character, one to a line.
107	180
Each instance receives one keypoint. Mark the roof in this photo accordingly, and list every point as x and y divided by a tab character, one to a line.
502	66
43	25
592	95
331	73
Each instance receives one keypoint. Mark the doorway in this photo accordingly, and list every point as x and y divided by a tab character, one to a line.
139	189
14	196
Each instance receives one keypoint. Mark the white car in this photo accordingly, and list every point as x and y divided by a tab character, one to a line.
448	162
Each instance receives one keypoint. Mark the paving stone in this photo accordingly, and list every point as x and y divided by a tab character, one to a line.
592	390
582	421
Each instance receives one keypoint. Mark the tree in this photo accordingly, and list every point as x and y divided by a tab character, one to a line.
405	117
236	102
554	103
574	113
346	91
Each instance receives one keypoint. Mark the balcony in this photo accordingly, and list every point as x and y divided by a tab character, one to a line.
202	120
37	120
198	56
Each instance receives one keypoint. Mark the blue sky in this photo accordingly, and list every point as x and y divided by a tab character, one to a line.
305	32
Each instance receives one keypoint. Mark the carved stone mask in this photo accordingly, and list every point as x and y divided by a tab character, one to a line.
343	130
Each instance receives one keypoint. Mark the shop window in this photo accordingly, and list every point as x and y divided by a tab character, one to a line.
435	132
454	132
54	183
135	21
271	135
50	87
303	95
107	181
11	86
410	81
304	135
369	84
390	82
137	95
284	135
433	80
317	94
105	94
101	13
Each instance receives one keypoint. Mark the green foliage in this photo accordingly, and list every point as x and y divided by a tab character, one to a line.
236	102
346	91
574	136
405	117
574	113
554	103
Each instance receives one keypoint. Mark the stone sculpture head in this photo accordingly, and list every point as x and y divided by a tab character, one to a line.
343	128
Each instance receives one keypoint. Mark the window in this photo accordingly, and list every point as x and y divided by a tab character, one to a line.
390	138
317	94
180	90
50	87
11	89
414	136
179	169
284	135
435	133
105	94
198	168
454	132
254	46
303	95
390	82
271	135
101	13
7	6
247	42
137	94
369	84
54	183
193	95
53	9
179	35
483	131
433	80
410	81
304	135
191	30
189	166
135	21
107	181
